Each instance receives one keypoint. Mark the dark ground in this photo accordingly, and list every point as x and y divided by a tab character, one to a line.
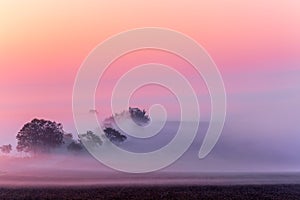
280	192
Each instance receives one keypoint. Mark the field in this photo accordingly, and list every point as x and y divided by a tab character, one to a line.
95	185
280	192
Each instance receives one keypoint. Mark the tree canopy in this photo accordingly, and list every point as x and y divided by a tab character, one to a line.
91	139
114	135
39	135
138	115
75	146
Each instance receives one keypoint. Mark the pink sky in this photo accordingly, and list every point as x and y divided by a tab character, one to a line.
255	44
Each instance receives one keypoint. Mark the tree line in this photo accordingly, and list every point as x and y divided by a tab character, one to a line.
42	136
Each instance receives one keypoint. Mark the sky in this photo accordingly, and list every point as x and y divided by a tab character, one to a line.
255	44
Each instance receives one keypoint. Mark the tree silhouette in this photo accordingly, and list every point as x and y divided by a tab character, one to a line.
39	135
90	139
139	116
75	146
114	135
6	148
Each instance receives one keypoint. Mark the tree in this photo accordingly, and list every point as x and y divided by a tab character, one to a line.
75	146
40	135
139	116
91	139
6	148
114	136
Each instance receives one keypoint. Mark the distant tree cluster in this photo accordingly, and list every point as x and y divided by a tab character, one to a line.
91	139
114	136
6	149
139	116
40	135
75	146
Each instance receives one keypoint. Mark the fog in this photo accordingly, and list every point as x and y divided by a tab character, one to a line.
239	150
